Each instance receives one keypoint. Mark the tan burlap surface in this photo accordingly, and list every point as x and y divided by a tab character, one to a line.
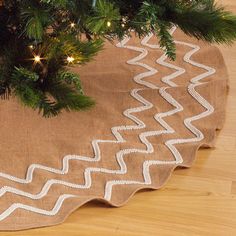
151	115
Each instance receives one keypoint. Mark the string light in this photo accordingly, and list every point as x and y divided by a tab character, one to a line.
37	59
123	22
108	24
70	59
72	25
31	46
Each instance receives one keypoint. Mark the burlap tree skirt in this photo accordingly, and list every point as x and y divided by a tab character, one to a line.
151	115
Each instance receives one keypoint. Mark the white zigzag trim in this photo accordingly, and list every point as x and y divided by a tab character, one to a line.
168	130
95	144
52	212
179	71
187	122
65	169
159	118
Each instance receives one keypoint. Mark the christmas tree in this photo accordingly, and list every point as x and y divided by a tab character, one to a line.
41	39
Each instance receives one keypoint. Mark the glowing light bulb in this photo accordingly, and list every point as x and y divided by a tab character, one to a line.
108	24
70	59
37	59
72	25
31	46
123	25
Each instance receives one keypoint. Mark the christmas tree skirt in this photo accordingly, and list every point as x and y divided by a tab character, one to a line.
151	116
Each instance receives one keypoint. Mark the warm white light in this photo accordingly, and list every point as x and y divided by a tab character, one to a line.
70	59
37	59
108	24
72	25
123	25
31	46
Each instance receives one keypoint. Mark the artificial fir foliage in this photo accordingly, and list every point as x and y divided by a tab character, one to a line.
41	39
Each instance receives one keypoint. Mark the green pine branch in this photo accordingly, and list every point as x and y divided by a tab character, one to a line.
65	33
64	92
